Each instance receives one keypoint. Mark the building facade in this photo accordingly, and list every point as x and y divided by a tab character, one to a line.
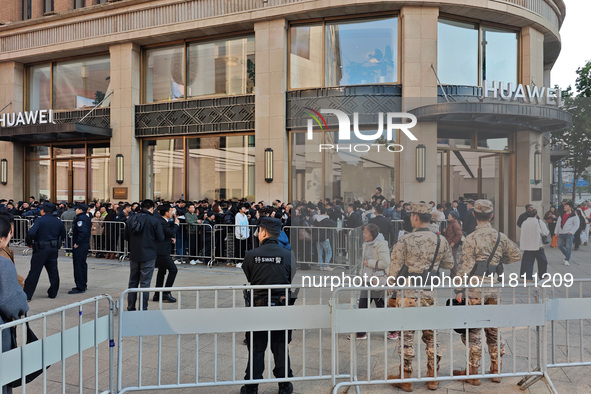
231	98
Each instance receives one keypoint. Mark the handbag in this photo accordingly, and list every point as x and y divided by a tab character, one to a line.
31	337
545	239
380	274
555	241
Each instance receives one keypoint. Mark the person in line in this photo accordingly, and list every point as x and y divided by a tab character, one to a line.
469	221
579	233
164	261
98	232
322	235
551	217
45	237
384	224
269	264
81	243
241	233
566	227
143	232
530	242
453	234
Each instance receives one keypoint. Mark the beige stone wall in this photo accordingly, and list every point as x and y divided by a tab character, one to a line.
125	82
271	71
11	11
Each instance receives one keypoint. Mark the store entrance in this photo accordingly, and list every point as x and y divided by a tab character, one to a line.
70	180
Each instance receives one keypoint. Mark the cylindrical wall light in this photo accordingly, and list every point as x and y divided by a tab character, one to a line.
269	165
421	162
537	167
4	171
119	163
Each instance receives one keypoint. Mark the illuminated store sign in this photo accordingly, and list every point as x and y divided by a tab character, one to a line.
44	116
529	94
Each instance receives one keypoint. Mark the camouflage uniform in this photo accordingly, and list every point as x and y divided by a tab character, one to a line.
416	250
478	246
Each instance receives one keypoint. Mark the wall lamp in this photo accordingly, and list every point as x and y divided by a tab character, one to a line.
268	165
4	171
421	162
537	167
119	163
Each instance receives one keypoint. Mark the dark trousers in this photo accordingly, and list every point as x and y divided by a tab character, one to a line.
278	348
192	244
364	302
207	245
164	263
577	240
240	246
527	263
80	267
140	275
45	257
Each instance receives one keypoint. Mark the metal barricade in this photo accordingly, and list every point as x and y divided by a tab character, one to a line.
198	342
71	338
106	238
229	248
194	243
327	247
518	313
21	227
398	227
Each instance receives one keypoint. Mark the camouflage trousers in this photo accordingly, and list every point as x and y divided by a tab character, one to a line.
493	338
428	337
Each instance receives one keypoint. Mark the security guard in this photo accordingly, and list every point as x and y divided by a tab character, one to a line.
81	244
417	251
46	237
479	248
269	264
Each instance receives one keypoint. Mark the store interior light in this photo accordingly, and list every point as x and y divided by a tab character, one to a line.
421	162
268	165
120	167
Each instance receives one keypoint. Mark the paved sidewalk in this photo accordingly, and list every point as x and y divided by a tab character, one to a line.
110	277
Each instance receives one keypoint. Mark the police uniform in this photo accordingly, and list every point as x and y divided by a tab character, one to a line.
478	246
269	264
81	241
416	250
46	236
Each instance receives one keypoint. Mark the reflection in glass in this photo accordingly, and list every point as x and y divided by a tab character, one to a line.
222	67
220	167
67	151
457	52
80	83
163	169
39	87
361	52
306	167
37	175
164	74
454	138
500	55
98	179
305	56
37	152
98	150
493	140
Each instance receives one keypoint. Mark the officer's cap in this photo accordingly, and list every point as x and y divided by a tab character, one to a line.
421	208
483	206
47	207
271	224
82	206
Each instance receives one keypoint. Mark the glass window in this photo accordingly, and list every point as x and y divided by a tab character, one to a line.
163	169
457	52
79	4
454	138
37	152
27	7
39	87
493	140
499	61
164	74
305	56
220	167
221	67
361	52
37	174
47	5
80	83
98	150
68	151
98	179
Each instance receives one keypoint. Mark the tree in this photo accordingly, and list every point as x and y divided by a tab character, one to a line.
577	139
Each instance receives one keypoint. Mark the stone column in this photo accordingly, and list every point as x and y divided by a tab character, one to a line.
271	70
125	83
419	87
11	90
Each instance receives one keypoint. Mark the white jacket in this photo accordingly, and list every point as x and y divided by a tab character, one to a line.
531	234
571	226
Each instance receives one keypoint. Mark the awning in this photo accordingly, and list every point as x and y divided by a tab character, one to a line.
505	116
53	132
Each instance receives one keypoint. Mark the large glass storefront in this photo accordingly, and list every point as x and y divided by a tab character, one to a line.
68	172
217	167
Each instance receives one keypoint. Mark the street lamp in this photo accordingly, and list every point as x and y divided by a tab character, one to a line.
421	162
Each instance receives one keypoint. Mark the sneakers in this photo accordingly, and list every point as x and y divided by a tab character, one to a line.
327	268
239	265
231	264
178	262
393	335
358	336
196	261
566	262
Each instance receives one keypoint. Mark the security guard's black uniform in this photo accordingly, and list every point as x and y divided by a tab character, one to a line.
269	264
46	236
81	244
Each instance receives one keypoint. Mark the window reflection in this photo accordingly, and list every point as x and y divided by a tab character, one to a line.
500	55
37	174
457	52
305	56
80	83
163	169
164	74
39	86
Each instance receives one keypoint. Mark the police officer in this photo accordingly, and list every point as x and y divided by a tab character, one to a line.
45	236
416	251
81	244
479	247
269	264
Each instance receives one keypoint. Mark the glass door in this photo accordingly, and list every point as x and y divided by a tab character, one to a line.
70	180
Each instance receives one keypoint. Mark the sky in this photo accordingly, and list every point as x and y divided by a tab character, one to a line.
576	48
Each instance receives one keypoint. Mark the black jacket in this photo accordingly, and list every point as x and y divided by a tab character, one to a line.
169	229
355	219
386	227
143	243
269	264
81	230
469	224
322	234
